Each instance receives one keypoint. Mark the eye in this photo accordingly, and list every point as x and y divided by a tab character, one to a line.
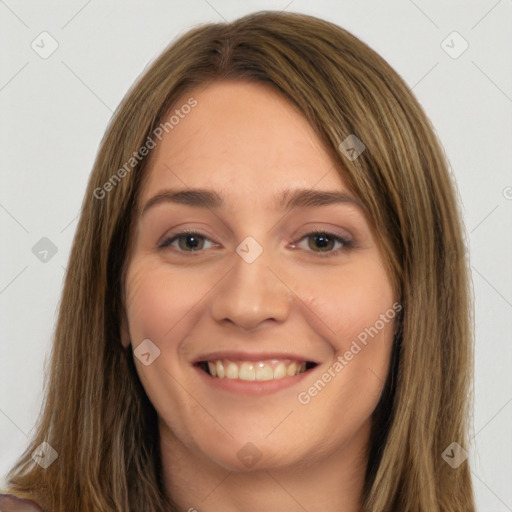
188	241
324	243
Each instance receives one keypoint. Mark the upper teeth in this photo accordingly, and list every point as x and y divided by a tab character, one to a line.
255	370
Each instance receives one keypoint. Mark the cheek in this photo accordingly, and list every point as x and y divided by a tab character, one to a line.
351	302
358	312
158	300
160	307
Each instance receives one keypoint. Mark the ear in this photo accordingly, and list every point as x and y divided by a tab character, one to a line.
124	330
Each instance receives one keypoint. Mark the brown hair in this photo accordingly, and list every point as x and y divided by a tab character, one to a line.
96	414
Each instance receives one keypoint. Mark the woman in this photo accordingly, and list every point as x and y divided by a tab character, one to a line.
267	305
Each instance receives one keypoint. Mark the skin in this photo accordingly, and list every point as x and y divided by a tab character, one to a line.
248	143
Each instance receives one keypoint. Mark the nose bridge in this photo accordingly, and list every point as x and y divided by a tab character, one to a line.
251	292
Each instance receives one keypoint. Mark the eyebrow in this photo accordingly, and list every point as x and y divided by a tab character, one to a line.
288	200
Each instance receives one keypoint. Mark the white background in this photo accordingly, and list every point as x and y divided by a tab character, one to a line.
54	112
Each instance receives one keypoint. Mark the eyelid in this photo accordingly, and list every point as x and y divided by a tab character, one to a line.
331	231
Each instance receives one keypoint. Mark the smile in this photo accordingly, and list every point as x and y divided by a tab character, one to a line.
270	369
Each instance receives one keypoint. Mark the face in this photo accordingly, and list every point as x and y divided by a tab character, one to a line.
260	312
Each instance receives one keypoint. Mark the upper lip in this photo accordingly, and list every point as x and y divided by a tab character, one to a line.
255	356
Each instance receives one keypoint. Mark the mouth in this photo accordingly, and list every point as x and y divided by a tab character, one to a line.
263	370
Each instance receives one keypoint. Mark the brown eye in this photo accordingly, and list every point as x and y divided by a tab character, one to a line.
323	241
187	242
193	242
326	244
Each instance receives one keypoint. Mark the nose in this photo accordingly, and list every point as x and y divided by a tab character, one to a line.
252	294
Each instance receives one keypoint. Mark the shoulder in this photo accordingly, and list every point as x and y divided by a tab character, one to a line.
11	503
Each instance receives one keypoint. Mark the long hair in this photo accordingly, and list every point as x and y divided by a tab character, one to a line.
96	414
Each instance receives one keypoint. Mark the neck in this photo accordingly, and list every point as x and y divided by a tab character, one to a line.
332	482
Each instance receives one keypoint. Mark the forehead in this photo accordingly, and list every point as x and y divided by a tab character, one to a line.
242	138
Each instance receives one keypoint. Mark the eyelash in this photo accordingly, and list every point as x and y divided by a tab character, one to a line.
346	244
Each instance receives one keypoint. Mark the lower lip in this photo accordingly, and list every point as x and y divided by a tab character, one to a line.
251	387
